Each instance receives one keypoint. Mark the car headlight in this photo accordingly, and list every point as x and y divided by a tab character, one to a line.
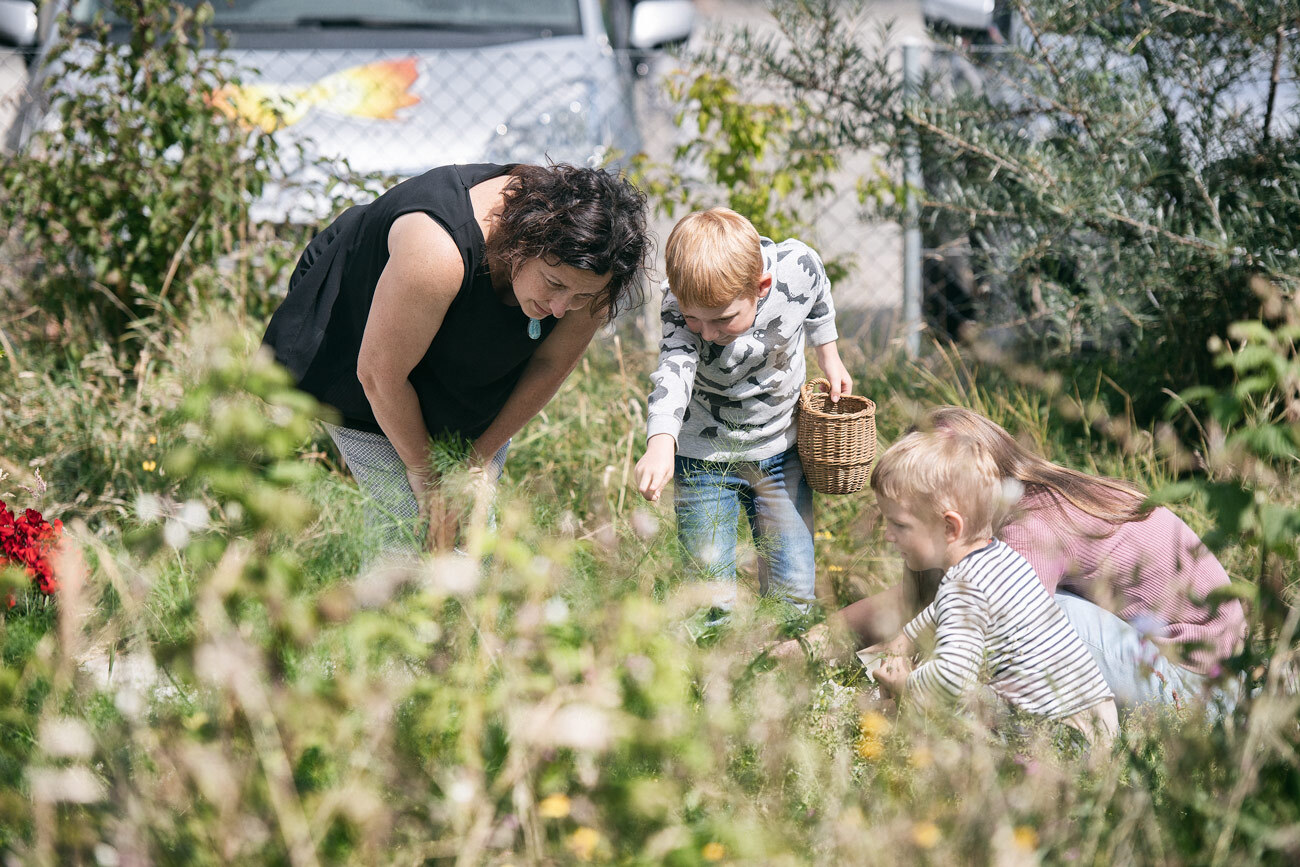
564	129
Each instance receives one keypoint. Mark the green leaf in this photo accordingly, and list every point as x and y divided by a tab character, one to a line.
1266	440
1176	492
1279	527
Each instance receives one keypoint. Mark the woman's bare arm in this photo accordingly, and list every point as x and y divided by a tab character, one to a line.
422	278
545	372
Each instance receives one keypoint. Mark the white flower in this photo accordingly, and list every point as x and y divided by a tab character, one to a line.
66	738
194	515
556	611
461	791
454	574
1012	491
148	507
175	533
579	726
645	523
67	785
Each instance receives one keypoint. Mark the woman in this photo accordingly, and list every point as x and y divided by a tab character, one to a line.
1132	579
439	310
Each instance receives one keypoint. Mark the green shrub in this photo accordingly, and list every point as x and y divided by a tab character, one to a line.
140	181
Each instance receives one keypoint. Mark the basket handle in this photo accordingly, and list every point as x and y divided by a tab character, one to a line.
810	388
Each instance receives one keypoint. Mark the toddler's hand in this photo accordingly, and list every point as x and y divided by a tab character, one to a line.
656	466
892	674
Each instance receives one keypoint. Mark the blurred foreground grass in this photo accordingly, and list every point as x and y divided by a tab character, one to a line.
224	680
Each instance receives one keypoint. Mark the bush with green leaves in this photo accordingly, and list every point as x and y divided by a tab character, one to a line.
1117	174
1252	451
767	160
135	180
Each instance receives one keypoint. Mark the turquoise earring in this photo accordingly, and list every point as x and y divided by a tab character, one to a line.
534	328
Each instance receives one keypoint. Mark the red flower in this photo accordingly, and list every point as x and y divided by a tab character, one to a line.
28	541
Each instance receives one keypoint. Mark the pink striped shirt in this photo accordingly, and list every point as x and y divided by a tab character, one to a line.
1154	573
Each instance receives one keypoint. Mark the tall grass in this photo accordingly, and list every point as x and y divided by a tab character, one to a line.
251	691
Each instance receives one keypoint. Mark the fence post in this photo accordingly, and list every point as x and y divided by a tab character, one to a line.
911	218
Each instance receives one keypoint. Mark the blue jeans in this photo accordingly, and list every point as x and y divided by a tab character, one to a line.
1134	668
778	503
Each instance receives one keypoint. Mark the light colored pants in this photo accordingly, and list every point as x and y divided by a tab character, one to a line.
1133	666
392	514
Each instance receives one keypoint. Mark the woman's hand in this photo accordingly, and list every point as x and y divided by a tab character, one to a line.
899	645
441	522
421	484
656	466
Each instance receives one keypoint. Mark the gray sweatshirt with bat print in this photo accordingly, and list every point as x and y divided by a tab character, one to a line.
736	402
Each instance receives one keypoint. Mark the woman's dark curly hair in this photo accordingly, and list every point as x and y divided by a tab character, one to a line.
585	218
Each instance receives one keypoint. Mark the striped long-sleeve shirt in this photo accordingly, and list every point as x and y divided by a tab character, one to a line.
993	622
736	402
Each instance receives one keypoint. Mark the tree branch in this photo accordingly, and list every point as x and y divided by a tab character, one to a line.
1273	81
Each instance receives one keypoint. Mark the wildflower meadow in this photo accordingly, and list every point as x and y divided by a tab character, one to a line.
205	660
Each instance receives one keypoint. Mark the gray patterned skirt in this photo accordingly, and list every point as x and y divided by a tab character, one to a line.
392	514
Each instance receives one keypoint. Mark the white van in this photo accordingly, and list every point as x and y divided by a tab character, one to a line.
400	86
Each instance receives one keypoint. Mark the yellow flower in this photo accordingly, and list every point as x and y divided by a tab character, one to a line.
834	568
925	834
149	466
921	758
714	851
553	807
1026	838
153	440
870	747
823	534
583	842
873	723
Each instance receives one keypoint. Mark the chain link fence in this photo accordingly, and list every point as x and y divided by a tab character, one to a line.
397	113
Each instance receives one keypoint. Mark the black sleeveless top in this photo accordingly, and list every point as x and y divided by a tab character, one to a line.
476	357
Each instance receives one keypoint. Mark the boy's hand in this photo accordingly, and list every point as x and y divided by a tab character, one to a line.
656	466
828	358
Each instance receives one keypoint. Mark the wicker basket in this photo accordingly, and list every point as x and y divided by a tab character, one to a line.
837	441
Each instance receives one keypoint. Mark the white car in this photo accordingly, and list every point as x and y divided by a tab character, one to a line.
976	15
18	24
399	86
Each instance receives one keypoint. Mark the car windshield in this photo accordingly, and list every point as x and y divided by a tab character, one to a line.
557	17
